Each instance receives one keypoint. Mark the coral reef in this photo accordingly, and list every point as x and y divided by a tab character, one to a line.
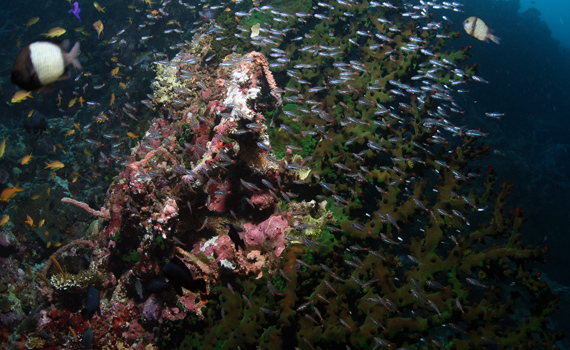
353	214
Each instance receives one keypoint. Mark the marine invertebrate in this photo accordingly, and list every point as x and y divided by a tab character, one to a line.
260	59
78	242
103	212
149	155
76	282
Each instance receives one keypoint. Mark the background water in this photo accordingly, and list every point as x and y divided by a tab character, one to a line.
528	78
556	13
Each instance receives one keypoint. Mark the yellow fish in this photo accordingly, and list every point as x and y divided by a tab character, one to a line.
98	27
41	223
36	196
31	112
475	27
30	222
75	125
56	164
112	99
76	176
3	147
20	96
9	192
115	71
4	220
32	21
26	159
58	100
72	102
101	118
82	31
69	132
132	136
55	32
48	244
98	7
87	153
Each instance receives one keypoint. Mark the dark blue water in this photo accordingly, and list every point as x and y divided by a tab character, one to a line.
529	76
556	14
528	80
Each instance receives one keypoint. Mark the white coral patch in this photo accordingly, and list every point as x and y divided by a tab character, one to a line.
210	242
227	264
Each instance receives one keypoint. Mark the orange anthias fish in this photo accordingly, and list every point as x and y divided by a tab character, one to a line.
98	27
26	159
112	99
4	220
115	71
76	176
30	222
20	96
32	21
82	31
98	7
3	147
55	32
55	165
9	192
